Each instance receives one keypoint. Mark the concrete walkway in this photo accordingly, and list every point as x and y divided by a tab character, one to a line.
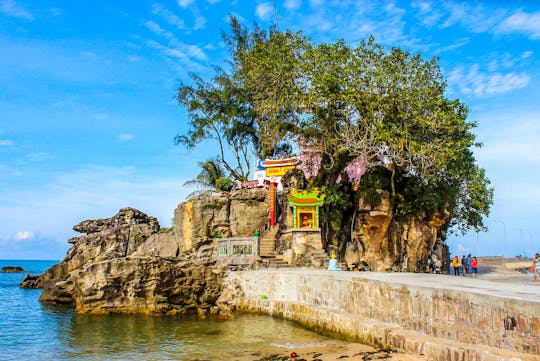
493	280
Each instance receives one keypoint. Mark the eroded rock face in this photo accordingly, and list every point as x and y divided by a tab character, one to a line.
198	220
390	244
149	285
123	265
109	238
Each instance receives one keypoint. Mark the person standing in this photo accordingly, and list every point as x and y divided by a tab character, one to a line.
456	264
536	265
474	267
464	265
469	263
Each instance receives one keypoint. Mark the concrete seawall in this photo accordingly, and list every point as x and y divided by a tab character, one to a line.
441	317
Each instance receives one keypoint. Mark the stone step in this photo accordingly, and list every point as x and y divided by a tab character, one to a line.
278	264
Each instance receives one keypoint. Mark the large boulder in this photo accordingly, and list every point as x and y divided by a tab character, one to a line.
149	285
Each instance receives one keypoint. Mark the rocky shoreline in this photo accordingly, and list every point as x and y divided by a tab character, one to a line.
105	271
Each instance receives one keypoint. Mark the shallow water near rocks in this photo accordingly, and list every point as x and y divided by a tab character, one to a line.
31	331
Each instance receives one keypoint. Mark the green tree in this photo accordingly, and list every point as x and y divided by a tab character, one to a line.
212	176
385	105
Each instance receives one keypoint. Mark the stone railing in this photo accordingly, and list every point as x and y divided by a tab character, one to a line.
238	250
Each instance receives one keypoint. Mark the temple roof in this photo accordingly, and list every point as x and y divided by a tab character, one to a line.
280	162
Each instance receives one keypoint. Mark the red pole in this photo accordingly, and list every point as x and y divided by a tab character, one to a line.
272	203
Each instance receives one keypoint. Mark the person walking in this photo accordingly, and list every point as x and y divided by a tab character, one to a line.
474	267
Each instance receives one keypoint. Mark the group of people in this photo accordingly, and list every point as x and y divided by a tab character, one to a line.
466	264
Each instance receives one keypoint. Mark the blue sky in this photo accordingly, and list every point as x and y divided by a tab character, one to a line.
88	116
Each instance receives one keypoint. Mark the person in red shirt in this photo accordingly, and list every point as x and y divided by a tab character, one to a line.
474	267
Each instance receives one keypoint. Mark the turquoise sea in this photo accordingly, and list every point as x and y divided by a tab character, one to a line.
33	331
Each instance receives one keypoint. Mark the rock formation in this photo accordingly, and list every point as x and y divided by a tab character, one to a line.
12	269
127	264
402	245
103	272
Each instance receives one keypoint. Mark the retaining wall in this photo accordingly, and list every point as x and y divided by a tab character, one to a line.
442	324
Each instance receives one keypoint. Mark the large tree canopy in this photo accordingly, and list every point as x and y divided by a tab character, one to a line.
385	105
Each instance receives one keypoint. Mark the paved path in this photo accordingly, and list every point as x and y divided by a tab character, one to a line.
493	280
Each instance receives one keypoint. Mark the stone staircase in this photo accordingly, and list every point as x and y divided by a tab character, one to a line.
267	249
267	243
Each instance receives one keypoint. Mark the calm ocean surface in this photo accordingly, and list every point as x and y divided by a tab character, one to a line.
32	331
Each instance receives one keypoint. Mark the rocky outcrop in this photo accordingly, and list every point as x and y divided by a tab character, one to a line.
126	264
150	285
12	269
105	239
200	219
388	243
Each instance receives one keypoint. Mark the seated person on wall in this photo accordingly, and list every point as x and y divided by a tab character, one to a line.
332	264
359	266
363	266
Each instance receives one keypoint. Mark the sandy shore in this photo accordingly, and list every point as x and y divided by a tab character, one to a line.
328	350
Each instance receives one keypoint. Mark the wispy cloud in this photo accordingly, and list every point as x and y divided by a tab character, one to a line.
169	16
89	192
157	29
292	4
185	3
264	11
125	137
11	8
38	156
6	143
521	22
23	235
456	45
472	81
200	22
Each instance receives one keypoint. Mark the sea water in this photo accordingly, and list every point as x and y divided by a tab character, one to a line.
30	330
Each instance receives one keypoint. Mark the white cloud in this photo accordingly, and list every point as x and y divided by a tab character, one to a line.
10	8
474	18
91	192
185	3
472	81
264	11
200	22
292	4
125	137
23	235
6	143
171	18
521	22
156	29
455	45
38	156
526	54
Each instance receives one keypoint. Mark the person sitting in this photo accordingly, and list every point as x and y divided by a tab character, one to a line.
363	266
332	263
